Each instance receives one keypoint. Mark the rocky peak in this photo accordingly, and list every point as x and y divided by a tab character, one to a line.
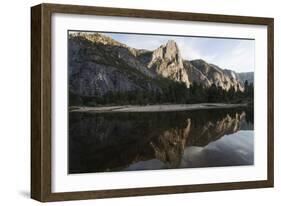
172	51
168	51
167	62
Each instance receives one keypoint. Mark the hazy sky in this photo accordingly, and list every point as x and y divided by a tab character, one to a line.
234	54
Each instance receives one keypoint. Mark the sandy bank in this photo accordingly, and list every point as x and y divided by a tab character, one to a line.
155	108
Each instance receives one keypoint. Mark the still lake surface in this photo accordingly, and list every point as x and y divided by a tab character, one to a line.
104	142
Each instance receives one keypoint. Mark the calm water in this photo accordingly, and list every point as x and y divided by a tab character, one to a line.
146	141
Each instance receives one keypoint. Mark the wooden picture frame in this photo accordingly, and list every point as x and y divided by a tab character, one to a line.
41	173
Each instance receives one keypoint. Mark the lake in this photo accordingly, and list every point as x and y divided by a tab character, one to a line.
130	141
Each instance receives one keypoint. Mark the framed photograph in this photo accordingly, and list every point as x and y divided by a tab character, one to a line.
130	102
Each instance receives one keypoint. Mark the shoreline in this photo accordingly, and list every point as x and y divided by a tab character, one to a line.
154	108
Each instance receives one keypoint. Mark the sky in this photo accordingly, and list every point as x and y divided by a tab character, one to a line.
234	54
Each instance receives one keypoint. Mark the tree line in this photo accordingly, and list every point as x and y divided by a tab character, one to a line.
175	93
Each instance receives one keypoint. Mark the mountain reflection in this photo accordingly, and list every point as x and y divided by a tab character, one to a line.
100	142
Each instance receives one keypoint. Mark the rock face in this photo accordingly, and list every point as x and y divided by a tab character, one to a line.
196	75
98	65
167	62
223	78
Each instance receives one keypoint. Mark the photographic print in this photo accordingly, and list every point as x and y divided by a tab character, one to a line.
131	102
148	101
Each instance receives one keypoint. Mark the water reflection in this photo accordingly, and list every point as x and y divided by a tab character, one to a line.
140	141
